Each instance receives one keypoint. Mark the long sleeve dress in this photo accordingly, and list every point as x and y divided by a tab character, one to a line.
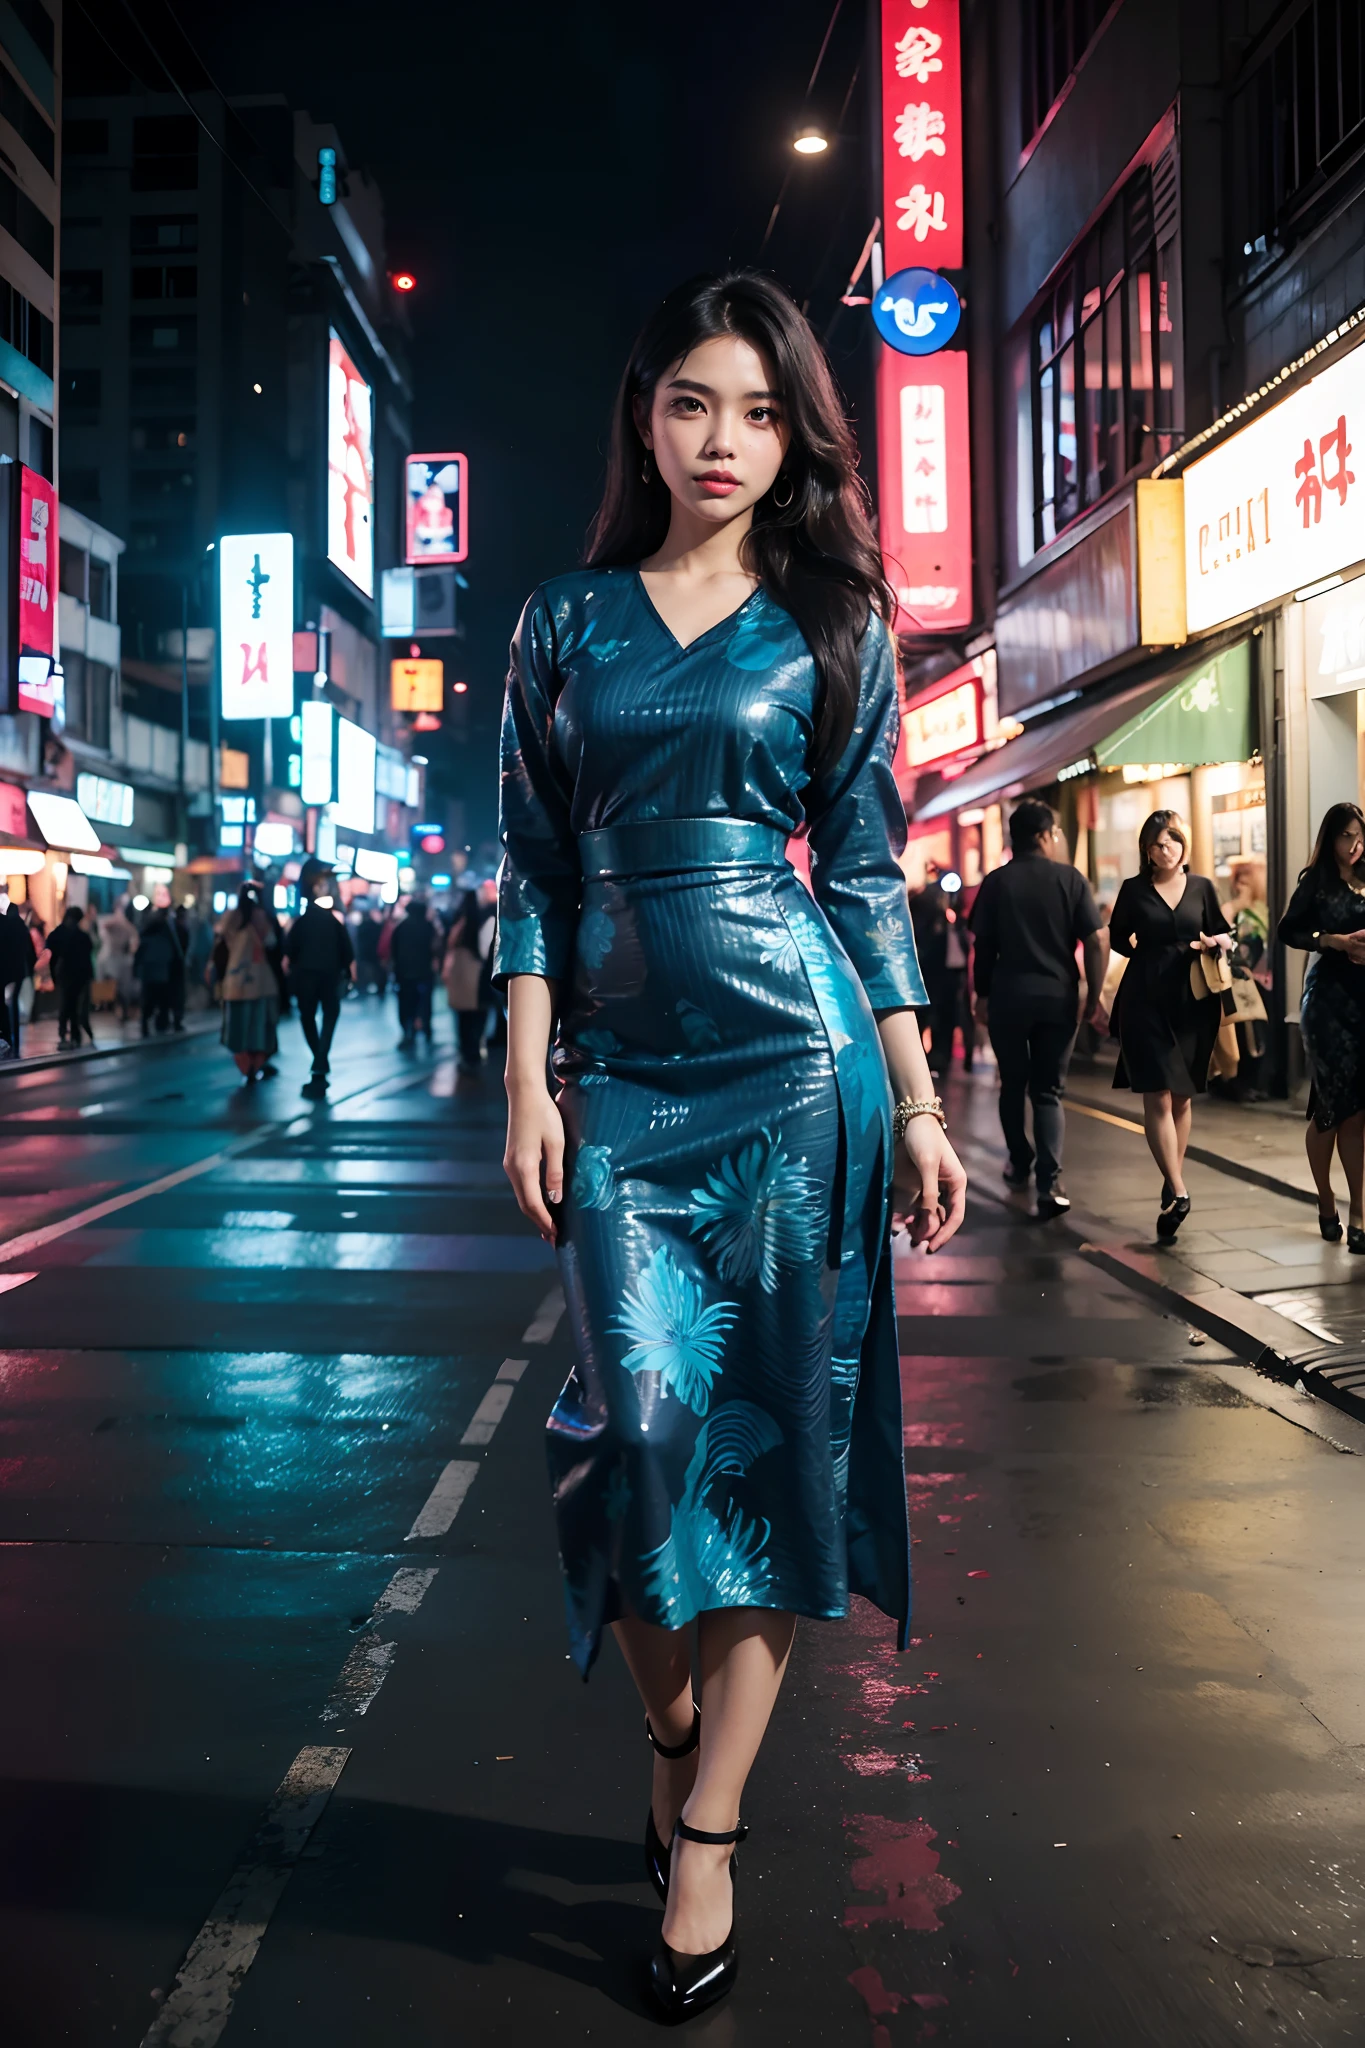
1332	1014
731	1433
1166	1035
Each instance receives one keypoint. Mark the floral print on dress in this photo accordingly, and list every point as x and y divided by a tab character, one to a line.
674	1334
711	1559
757	1212
592	1186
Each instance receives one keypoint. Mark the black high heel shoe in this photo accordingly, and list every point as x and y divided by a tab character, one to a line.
1355	1238
686	1984
1172	1216
1330	1226
658	1852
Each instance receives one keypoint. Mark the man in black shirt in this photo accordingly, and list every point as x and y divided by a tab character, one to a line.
319	954
1028	919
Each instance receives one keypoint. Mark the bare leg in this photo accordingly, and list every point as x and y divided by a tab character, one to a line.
1319	1146
660	1662
1182	1117
1351	1147
744	1652
1163	1139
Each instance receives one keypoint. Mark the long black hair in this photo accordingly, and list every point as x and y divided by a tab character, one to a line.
1322	861
816	555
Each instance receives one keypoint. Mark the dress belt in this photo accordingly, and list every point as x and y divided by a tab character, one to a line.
656	846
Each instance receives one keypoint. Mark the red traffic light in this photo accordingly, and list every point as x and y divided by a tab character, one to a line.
433	843
404	281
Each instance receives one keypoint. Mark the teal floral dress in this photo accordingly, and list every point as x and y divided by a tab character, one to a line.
731	1433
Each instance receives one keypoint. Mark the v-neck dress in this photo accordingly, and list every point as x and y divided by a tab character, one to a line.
731	1433
1166	1035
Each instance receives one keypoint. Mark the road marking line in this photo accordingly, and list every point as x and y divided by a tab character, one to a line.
488	1415
445	1500
406	1590
1103	1116
357	1686
207	1983
512	1369
546	1318
33	1240
9	1281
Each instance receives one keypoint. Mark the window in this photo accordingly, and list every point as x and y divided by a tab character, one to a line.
89	688
85	138
25	328
72	570
101	588
164	386
32	230
174	433
81	397
30	126
82	297
165	153
165	281
39	24
1296	124
1104	347
166	488
1054	35
41	447
164	335
165	231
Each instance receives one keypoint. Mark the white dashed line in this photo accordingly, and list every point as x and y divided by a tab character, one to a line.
488	1414
200	2002
445	1500
512	1369
546	1318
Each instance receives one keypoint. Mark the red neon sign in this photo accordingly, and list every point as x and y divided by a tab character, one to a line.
924	473
436	492
922	208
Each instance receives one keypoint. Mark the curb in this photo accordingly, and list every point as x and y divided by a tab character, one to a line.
36	1065
1278	1349
1204	1156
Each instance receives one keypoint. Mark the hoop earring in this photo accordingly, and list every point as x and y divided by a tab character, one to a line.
646	471
782	503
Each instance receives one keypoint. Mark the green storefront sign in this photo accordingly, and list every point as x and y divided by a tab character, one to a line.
1204	718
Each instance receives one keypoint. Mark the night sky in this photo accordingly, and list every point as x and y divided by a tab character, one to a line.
548	170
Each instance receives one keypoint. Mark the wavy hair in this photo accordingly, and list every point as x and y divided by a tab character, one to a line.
817	555
1322	861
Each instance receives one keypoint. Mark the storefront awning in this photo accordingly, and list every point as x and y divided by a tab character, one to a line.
62	822
1205	716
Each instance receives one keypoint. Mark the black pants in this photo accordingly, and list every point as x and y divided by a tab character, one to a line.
311	991
73	1009
469	1024
1032	1051
156	1002
9	1016
947	992
414	1007
177	988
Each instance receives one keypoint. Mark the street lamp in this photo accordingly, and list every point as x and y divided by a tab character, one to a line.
810	142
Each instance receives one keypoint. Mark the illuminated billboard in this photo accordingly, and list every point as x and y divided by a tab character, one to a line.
350	468
417	685
316	780
256	615
356	753
436	497
37	593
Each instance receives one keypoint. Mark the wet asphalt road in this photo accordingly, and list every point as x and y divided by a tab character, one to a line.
1113	1794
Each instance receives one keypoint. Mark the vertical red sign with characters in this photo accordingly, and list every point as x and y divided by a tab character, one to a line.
923	427
921	135
924	473
37	592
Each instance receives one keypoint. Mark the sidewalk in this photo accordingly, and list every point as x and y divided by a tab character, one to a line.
39	1041
1249	1268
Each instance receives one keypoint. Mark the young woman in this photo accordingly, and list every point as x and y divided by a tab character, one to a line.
1326	917
716	1166
1162	918
251	989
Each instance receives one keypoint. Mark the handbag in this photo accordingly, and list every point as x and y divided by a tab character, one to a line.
1210	975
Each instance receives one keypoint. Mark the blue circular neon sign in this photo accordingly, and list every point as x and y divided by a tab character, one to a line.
917	312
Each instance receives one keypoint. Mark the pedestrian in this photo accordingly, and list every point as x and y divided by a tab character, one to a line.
721	1089
1027	921
251	991
118	948
1326	917
156	960
929	917
462	971
71	950
1166	921
18	957
318	955
180	924
369	973
413	953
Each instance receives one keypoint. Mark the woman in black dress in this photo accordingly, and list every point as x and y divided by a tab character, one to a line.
1162	918
1326	917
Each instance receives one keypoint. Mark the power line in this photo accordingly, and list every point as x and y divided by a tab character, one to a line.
810	87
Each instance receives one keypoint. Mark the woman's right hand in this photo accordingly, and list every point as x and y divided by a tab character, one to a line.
1352	944
535	1139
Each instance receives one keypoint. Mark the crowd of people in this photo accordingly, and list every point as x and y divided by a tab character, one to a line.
1008	959
147	961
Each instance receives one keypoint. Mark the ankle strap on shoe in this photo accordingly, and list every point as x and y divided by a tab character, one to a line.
683	1748
691	1834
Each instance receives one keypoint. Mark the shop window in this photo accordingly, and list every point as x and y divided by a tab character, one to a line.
1054	35
1105	345
101	589
72	570
1296	124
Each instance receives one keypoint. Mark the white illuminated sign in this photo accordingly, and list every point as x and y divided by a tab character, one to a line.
274	839
350	468
315	725
109	802
354	804
376	867
1280	504
256	614
397	604
62	822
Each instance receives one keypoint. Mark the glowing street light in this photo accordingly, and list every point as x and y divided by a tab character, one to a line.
811	142
404	281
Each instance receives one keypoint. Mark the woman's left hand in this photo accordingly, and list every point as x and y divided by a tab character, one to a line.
1216	944
928	1185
